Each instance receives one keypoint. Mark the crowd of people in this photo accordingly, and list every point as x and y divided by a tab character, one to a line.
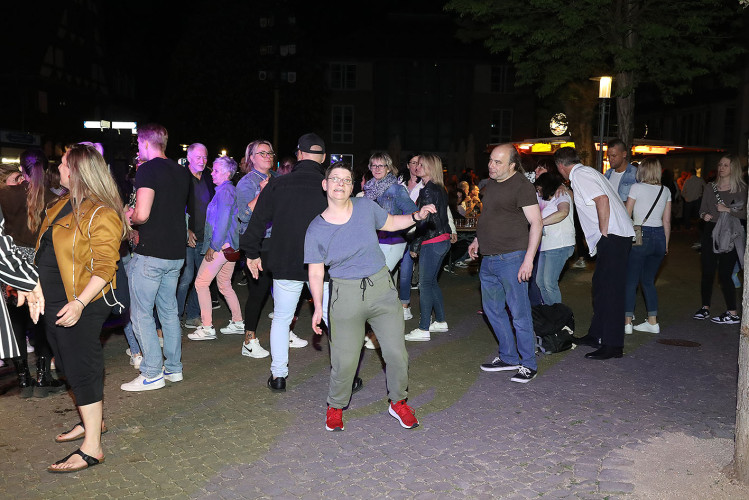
78	250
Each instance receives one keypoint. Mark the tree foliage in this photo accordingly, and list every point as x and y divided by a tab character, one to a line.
666	44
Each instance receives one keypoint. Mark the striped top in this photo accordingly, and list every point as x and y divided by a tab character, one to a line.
19	274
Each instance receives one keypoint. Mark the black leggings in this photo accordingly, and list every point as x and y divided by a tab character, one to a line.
78	350
258	291
723	263
21	322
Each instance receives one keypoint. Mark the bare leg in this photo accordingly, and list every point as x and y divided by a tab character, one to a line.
91	415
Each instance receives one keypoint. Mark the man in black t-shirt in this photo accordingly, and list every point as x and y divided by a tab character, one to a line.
159	214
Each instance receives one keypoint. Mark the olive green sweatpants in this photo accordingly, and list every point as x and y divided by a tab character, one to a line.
352	304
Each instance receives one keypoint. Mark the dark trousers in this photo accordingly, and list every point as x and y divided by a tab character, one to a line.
723	263
609	289
21	322
78	350
257	293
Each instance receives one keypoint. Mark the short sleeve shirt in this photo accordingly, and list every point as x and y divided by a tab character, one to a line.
503	227
164	234
350	250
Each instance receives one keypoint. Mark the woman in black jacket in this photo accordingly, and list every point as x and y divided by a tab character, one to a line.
431	244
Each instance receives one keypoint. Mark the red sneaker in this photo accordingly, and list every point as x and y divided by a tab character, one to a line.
334	419
404	414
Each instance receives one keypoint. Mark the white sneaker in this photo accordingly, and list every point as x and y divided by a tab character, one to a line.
368	343
233	328
29	347
418	335
141	383
127	351
438	326
580	264
628	329
136	360
647	327
295	341
203	333
254	349
407	313
172	376
270	315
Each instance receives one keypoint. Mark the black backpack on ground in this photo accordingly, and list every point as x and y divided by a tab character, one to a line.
554	326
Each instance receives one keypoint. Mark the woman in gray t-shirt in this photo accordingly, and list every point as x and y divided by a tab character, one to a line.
344	238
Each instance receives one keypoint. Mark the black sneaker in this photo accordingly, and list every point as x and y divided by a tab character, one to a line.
498	366
524	375
703	313
726	319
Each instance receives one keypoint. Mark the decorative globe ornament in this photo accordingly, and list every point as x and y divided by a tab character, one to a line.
558	124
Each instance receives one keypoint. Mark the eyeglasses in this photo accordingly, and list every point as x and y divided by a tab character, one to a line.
376	167
266	154
341	180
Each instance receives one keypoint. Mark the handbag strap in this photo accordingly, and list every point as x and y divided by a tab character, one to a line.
654	204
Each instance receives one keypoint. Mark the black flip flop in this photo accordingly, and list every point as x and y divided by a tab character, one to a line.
79	436
90	462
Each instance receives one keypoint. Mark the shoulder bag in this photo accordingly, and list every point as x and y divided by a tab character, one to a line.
637	241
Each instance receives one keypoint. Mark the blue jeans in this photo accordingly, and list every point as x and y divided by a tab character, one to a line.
499	286
431	256
128	329
642	266
186	292
550	266
285	299
404	277
154	282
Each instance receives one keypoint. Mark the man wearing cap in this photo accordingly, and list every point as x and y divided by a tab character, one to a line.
289	202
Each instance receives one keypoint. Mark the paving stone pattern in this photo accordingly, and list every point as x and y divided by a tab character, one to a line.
222	434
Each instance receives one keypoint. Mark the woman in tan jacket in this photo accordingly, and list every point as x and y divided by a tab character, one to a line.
77	254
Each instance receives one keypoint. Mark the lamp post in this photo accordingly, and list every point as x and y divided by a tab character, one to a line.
604	94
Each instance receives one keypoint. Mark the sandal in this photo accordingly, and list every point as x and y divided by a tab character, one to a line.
77	436
90	462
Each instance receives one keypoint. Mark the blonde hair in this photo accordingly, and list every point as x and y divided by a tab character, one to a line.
385	158
250	150
433	165
650	171
34	165
737	182
90	179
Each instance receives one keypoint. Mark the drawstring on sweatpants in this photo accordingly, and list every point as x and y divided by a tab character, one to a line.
363	286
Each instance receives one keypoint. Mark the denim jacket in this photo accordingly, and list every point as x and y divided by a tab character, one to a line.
221	224
248	188
396	201
629	178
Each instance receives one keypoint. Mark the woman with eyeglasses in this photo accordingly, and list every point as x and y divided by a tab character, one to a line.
431	243
413	184
384	189
344	238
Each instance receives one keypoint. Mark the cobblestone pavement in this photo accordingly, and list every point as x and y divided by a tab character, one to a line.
222	434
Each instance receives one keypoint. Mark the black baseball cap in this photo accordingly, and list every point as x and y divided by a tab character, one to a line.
311	143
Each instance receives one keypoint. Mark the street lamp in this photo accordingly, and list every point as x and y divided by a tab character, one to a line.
604	94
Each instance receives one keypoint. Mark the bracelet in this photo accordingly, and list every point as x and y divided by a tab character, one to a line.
79	300
413	216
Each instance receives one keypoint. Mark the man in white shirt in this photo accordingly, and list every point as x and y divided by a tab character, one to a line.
608	232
